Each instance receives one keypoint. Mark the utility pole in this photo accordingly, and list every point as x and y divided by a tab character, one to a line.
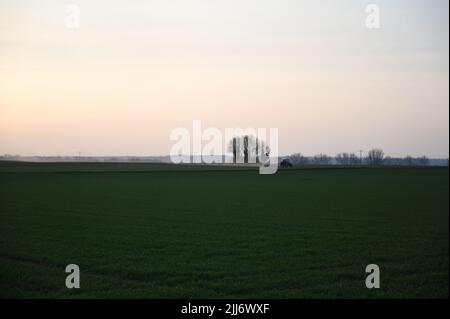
360	157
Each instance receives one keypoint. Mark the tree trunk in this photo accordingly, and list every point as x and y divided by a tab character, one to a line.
257	150
246	149
234	150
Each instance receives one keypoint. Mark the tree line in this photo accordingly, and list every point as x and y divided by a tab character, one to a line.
249	149
374	157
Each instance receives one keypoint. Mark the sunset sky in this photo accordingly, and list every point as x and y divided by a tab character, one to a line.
135	70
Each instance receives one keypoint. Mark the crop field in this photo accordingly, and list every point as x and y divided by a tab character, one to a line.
166	231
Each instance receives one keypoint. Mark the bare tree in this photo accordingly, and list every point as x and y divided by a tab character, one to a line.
347	159
257	150
247	149
234	148
354	160
342	159
298	159
375	157
321	159
424	161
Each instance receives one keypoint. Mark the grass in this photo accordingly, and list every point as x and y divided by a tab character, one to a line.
163	231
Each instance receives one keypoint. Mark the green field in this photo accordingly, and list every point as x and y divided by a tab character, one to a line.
160	231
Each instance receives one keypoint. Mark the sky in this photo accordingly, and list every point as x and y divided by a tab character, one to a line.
135	70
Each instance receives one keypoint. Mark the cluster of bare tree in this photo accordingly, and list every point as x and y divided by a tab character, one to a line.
298	159
347	159
375	157
321	159
407	161
248	149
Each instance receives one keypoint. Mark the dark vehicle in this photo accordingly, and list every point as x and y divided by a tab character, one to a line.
286	163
